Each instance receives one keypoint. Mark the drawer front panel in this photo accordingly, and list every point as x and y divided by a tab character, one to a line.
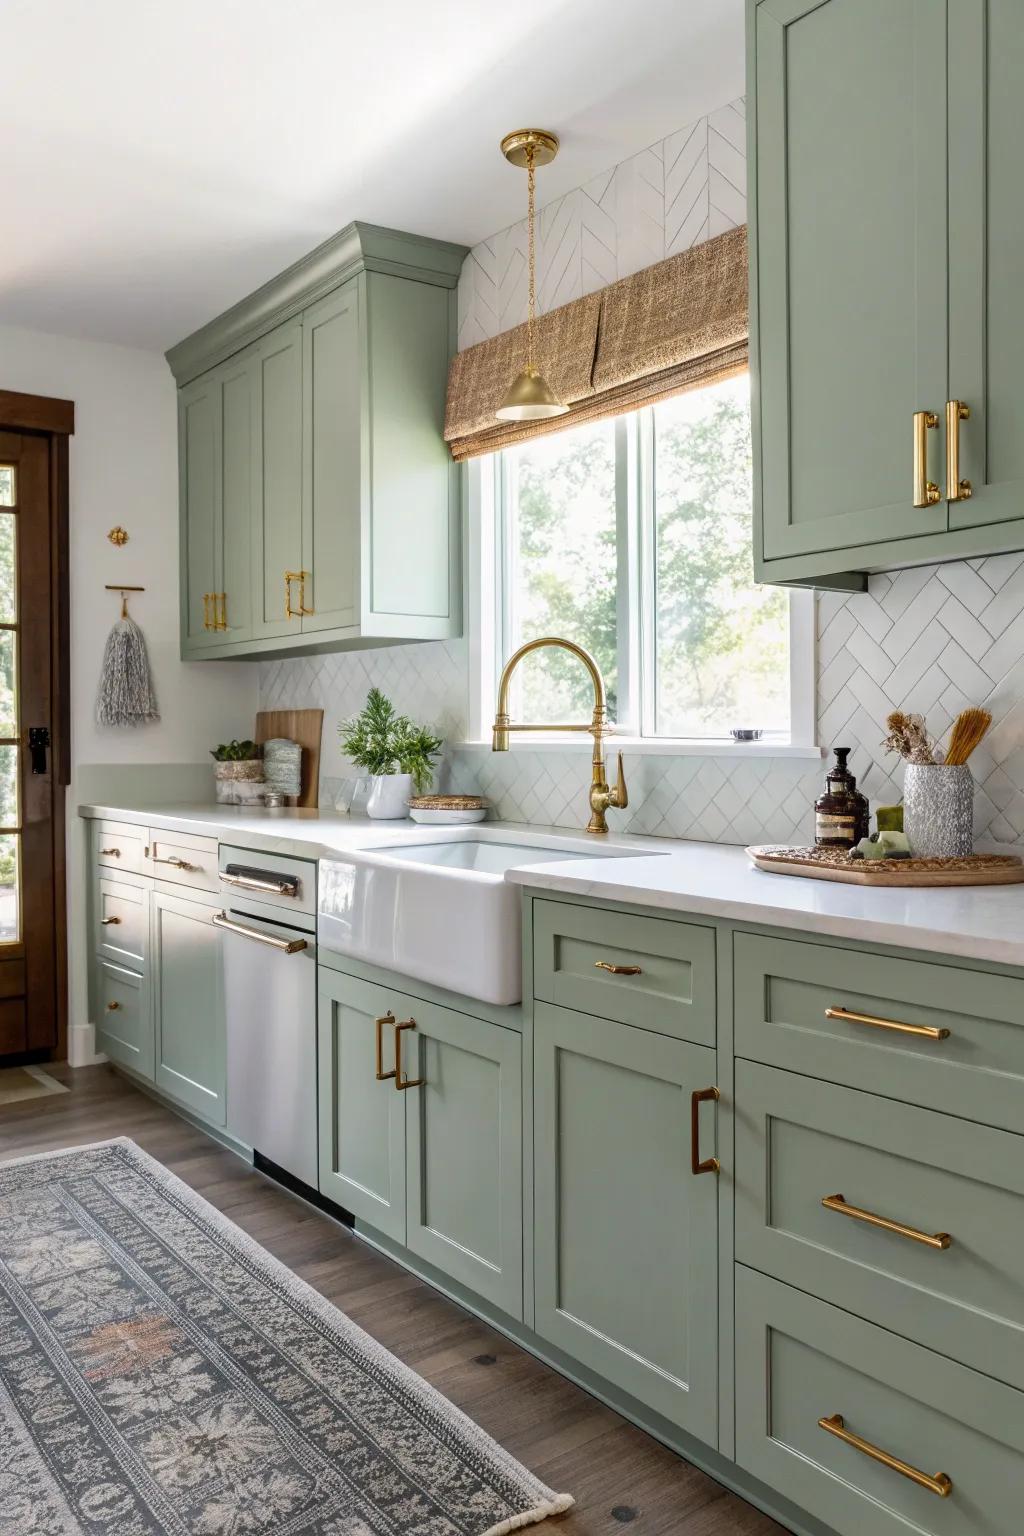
184	860
124	1029
645	971
800	1360
252	872
118	846
783	988
122	922
799	1142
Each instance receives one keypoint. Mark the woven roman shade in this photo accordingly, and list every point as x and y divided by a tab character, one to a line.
674	326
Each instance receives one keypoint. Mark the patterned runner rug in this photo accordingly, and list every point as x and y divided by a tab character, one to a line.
161	1373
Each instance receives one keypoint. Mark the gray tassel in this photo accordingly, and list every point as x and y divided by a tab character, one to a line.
126	693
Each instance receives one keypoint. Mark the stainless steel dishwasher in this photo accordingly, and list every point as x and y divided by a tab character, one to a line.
269	949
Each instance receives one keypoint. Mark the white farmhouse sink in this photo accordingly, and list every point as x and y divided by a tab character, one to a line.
441	910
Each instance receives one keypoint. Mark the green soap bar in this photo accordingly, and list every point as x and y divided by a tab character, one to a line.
869	850
893	843
889	818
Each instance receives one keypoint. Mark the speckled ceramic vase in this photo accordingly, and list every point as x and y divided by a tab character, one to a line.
938	810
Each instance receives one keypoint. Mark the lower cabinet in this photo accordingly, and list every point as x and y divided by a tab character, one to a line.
626	1234
188	1005
420	1113
124	1024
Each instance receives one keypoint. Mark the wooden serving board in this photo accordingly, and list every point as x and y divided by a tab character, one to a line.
835	864
306	727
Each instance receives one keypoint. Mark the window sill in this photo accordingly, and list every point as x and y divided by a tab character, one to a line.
651	746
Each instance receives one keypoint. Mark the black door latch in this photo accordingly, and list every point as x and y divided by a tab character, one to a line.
38	746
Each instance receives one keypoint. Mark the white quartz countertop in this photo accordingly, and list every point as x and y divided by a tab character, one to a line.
710	879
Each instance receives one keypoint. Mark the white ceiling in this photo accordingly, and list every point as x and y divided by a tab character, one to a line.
164	157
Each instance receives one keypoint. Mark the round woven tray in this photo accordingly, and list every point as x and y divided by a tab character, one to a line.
836	864
448	802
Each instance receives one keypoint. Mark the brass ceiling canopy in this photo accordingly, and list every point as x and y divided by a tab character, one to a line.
529	398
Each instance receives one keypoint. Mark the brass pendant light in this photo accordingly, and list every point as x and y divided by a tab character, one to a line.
529	397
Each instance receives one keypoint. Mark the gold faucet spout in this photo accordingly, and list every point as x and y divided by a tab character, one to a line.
602	797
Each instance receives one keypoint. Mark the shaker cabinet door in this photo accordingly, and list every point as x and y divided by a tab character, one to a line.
333	406
236	384
199	456
849	267
277	527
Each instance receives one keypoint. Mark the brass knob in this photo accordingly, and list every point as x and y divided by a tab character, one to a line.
113	1007
110	922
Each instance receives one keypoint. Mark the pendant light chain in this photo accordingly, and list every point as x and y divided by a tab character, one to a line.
529	397
531	183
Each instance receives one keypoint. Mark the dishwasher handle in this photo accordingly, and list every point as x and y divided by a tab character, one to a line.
286	946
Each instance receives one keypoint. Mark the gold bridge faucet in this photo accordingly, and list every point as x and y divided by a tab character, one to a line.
601	795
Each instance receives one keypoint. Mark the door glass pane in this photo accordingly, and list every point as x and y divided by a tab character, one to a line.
7	567
9	787
10	917
8	684
6	485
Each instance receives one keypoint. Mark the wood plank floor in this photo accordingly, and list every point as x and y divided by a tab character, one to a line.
618	1475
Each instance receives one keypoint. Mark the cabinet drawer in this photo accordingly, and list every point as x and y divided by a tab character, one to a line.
784	987
184	860
799	1142
646	971
122	922
269	877
124	1028
800	1360
116	845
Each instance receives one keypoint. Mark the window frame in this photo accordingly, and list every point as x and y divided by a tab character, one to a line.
489	568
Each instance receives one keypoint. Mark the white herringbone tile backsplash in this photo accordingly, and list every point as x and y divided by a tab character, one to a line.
932	639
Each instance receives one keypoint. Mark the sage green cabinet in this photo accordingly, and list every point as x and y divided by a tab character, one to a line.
884	280
626	1235
435	1166
318	498
124	1019
188	1005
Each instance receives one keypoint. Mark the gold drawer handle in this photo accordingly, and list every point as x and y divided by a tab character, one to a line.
922	1031
926	492
113	1007
699	1097
401	1081
378	1024
930	1240
289	611
176	863
940	1484
110	853
956	489
618	970
109	922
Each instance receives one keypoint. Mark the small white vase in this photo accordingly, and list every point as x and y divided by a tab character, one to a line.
389	796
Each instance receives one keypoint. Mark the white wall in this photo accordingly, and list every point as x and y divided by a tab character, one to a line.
123	469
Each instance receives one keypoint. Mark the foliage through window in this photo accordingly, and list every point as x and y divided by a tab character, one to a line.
633	537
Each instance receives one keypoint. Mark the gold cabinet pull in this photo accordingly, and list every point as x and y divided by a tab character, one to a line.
378	1024
113	1007
289	611
176	863
206	611
110	853
940	1484
926	492
220	611
401	1081
109	922
956	489
286	946
922	1031
697	1098
618	970
928	1239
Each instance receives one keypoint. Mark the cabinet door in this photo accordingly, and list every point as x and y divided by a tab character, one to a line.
124	1021
361	1120
199	449
237	385
332	482
464	1128
626	1235
848	290
188	1005
277	530
986	255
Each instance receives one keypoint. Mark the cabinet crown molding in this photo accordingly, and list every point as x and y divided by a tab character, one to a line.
356	248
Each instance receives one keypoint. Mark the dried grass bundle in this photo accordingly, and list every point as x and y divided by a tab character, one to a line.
908	736
968	729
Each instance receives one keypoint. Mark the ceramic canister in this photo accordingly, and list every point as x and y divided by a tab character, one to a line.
938	810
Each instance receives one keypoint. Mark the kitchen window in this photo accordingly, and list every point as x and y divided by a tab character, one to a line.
633	537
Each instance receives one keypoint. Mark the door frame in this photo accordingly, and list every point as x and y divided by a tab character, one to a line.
54	419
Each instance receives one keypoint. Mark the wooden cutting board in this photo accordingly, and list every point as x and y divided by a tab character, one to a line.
833	864
306	727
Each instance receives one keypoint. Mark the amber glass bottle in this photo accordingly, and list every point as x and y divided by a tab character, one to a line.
841	815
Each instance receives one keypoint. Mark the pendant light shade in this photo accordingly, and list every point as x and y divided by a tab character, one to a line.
529	398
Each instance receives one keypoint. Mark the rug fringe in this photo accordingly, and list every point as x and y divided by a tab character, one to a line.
556	1506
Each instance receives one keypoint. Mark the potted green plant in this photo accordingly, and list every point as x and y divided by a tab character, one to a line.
398	755
238	763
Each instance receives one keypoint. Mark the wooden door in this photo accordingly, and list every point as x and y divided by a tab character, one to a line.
28	898
361	1118
986	257
464	1153
332	482
848	276
277	530
188	1004
626	1242
199	490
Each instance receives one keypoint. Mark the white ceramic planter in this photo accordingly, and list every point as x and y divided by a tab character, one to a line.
389	796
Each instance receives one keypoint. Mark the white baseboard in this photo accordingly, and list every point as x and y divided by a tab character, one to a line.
82	1046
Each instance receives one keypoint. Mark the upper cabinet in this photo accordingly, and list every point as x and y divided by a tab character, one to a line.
887	234
319	504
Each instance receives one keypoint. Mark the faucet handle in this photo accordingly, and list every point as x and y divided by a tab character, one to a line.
619	796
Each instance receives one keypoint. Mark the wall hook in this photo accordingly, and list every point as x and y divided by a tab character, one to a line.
116	587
